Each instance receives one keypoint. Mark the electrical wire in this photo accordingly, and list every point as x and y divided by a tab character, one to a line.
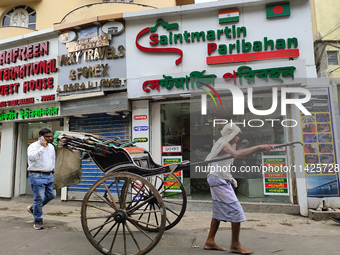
331	31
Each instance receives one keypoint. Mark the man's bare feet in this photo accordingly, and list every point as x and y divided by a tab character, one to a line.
241	250
213	246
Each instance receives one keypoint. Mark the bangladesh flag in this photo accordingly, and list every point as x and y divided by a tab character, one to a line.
278	10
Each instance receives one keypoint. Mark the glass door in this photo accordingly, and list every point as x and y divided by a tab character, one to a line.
189	135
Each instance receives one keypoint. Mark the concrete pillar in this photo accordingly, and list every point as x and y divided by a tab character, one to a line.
299	165
7	159
63	196
21	162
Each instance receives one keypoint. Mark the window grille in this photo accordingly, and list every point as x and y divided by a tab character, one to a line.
20	16
333	58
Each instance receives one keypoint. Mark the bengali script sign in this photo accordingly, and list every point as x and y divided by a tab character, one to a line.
195	79
247	73
27	113
11	115
275	175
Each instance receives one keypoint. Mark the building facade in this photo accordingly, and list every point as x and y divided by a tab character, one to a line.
196	75
40	71
171	78
21	17
326	38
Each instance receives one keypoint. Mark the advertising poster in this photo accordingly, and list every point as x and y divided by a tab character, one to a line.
320	164
140	124
275	175
169	182
167	160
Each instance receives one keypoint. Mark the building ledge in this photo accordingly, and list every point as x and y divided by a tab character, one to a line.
4	3
13	41
88	22
8	32
84	16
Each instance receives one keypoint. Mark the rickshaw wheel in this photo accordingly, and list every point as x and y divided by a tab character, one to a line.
111	214
175	201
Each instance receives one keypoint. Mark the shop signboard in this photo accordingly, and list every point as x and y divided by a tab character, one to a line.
235	46
319	149
258	75
27	79
23	114
92	60
275	175
183	54
141	123
167	160
172	149
140	128
173	44
170	185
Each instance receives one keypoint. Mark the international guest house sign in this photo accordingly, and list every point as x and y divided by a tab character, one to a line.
27	81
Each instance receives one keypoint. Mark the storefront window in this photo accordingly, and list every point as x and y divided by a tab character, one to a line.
184	125
33	131
176	127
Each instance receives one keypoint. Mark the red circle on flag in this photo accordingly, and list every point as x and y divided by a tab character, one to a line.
278	9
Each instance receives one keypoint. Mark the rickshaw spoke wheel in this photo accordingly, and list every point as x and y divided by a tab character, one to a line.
115	214
175	201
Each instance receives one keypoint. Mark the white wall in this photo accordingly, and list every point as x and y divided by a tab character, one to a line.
8	141
21	162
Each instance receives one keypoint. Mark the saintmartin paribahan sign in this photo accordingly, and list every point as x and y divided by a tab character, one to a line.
235	49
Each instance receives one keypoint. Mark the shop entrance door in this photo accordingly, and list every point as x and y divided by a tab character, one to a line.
27	134
181	124
105	126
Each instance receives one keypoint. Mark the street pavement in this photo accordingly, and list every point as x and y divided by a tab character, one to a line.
266	233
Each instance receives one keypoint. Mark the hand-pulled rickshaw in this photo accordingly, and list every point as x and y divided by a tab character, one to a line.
127	210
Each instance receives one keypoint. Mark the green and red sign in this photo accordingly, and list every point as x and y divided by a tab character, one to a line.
167	160
172	185
278	10
235	49
275	175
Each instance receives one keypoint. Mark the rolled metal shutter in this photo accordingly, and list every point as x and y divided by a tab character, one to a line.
106	126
